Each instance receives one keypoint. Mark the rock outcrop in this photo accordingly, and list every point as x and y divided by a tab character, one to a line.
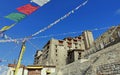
103	62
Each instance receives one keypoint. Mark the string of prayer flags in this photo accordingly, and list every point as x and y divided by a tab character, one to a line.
4	36
51	35
1	34
40	2
16	16
85	3
60	19
10	40
7	27
27	9
7	38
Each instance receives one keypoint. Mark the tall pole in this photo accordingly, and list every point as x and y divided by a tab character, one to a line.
20	57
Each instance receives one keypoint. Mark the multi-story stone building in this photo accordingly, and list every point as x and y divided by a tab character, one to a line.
56	52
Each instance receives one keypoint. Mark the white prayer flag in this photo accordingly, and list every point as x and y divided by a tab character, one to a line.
40	2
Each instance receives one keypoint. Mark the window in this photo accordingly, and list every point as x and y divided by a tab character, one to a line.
75	47
69	39
79	38
56	50
69	44
80	45
79	55
76	43
75	40
13	71
56	54
60	42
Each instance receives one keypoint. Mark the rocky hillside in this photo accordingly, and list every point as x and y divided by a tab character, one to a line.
103	62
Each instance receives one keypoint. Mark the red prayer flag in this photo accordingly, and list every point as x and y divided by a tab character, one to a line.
27	9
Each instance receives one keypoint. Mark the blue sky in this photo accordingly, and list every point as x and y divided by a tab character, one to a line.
95	14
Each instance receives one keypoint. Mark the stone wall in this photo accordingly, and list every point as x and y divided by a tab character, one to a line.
113	68
104	62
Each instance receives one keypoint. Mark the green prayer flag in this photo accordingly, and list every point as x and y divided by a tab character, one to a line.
16	16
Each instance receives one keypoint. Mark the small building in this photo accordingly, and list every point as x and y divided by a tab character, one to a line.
11	70
40	70
34	70
31	69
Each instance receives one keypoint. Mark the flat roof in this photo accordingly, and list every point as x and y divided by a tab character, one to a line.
39	66
14	65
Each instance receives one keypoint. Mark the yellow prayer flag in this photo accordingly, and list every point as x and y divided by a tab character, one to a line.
7	27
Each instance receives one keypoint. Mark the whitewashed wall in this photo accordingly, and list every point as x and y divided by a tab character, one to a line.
11	71
43	71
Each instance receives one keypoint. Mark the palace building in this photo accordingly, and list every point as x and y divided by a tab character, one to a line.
62	52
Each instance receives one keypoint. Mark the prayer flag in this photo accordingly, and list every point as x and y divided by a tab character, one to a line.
16	16
6	28
1	34
6	37
40	2
27	9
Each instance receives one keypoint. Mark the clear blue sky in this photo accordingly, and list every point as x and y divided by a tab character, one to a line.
95	14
